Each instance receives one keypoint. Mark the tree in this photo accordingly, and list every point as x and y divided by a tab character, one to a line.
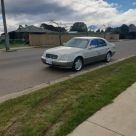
125	29
60	26
108	29
132	31
116	31
20	26
106	26
132	28
98	31
102	31
79	26
52	28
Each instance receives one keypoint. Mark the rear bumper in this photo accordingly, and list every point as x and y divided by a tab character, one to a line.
113	53
60	64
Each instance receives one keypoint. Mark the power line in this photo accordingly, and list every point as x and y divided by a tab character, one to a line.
92	6
16	8
97	8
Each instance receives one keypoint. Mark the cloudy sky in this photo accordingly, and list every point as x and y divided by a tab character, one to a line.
92	12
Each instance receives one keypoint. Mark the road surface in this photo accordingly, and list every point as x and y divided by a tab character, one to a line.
23	69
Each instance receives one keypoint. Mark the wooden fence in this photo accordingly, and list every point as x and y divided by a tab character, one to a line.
44	39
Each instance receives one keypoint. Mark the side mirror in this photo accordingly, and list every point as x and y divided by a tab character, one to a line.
91	47
64	44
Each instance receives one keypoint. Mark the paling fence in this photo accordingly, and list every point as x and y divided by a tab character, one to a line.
44	39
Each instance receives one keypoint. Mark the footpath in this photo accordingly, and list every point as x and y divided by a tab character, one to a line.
116	119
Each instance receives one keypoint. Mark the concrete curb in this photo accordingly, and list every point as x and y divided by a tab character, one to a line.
44	85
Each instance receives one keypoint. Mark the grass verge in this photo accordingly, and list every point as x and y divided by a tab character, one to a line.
48	46
58	109
12	45
113	40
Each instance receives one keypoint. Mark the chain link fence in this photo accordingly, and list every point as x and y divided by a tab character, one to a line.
15	43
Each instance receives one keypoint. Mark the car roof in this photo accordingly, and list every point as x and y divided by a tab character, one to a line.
90	38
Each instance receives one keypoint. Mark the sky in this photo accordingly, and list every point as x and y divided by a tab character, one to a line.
91	12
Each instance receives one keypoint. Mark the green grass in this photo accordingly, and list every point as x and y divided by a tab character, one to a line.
113	40
127	39
121	40
48	46
58	109
12	45
26	45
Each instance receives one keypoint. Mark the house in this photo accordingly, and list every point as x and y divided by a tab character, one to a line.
23	33
32	29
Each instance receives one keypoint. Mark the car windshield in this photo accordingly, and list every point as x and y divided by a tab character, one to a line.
77	43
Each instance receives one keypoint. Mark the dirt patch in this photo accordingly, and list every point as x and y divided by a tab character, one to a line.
50	125
50	97
55	94
53	126
114	69
13	130
117	69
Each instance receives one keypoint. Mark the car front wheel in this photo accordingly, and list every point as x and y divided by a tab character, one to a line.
108	57
78	64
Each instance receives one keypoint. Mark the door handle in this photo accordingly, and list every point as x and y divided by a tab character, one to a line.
98	52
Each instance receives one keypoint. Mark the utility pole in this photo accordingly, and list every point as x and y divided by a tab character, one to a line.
5	25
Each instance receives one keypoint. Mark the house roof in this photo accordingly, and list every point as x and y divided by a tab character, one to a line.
33	29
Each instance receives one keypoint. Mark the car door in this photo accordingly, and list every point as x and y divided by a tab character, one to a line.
91	54
102	49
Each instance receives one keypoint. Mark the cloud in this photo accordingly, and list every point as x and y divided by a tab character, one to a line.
134	3
96	12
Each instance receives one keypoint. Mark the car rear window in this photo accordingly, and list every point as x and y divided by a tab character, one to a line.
101	43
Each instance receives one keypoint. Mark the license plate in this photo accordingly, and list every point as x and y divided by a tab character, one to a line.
48	62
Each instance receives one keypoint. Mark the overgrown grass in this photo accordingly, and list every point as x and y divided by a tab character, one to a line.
58	109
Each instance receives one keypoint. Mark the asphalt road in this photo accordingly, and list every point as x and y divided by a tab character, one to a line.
23	69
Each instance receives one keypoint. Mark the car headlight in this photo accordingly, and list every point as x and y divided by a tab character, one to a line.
65	57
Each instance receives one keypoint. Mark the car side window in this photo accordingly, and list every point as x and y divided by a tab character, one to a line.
101	43
94	43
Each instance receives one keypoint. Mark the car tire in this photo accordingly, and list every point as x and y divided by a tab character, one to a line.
78	64
108	57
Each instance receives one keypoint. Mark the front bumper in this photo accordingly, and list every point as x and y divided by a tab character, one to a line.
60	64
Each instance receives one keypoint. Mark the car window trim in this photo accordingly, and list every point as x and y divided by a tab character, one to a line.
101	46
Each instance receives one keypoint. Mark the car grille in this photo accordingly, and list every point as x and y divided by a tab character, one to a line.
52	56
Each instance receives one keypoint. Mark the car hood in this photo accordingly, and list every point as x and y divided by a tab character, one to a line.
63	50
